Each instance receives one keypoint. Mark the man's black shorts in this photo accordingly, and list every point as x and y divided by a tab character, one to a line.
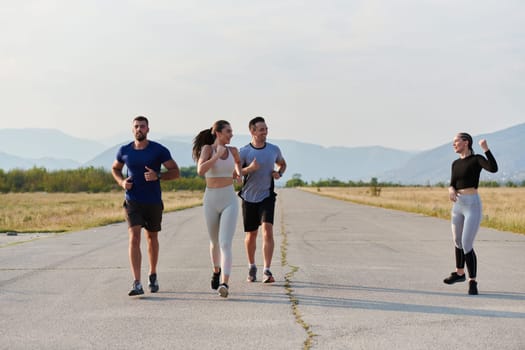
254	214
147	215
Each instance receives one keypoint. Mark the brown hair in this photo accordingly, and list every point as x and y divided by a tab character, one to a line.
207	137
251	124
141	118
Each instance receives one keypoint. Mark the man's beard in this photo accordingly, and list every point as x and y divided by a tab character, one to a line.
140	136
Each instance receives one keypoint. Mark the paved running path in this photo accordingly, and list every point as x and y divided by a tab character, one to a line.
348	277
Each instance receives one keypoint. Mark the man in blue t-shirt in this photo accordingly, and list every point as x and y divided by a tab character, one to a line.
262	163
143	205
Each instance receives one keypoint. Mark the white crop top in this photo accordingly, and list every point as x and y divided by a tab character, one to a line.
222	167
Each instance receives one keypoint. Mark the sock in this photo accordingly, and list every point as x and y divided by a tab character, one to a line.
266	269
472	262
251	265
460	258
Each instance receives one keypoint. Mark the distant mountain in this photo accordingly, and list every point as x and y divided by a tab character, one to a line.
8	162
47	143
433	166
311	162
314	162
180	151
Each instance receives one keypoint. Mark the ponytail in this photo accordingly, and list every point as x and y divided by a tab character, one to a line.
205	137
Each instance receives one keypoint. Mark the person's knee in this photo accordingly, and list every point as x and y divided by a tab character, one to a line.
153	235
467	243
267	230
226	246
467	248
251	238
134	236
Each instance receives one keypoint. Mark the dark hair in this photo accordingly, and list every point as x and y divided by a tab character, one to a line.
466	137
207	137
141	118
254	121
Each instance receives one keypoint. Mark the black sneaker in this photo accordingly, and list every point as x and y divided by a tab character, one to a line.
153	283
223	290
472	287
136	289
453	278
268	277
215	280
252	274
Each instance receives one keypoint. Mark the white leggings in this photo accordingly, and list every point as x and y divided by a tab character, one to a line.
466	217
221	207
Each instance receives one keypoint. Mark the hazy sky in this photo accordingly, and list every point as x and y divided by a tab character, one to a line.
405	74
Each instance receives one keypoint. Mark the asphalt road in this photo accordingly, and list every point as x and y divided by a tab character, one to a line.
348	277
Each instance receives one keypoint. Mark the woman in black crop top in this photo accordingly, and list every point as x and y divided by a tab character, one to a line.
466	211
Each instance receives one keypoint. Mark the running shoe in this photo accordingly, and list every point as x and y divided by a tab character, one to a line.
453	278
223	290
252	274
215	280
153	283
268	278
136	289
473	287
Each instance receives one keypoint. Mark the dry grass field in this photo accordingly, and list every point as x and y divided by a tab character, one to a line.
503	207
63	212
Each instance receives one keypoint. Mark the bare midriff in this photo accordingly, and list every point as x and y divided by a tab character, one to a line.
218	182
469	190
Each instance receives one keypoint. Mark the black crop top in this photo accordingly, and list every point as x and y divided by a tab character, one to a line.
465	171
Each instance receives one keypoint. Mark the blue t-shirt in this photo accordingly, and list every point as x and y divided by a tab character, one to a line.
136	161
259	185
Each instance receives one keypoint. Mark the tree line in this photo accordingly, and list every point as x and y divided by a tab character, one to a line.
88	179
91	179
296	181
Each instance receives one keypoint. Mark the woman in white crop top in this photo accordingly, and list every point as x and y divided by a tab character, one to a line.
220	165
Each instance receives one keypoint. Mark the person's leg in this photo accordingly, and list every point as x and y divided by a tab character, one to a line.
268	244
152	227
471	260
153	250
228	224
252	220
472	264
470	230
135	219
250	243
458	220
460	260
267	214
212	218
135	255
